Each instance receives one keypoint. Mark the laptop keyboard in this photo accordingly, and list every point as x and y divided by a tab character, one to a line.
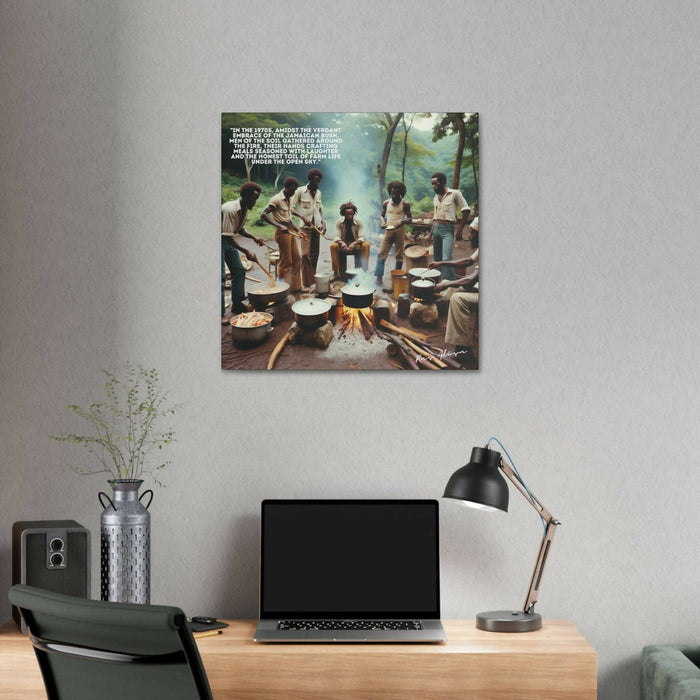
389	625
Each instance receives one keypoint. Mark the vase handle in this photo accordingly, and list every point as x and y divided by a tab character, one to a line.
99	496
150	499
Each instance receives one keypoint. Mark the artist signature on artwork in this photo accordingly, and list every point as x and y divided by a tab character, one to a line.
453	353
459	355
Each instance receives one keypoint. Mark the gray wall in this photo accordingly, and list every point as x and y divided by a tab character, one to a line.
109	137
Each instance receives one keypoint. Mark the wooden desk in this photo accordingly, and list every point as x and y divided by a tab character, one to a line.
555	662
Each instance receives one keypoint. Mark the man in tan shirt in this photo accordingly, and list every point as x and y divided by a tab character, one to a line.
448	205
233	218
307	201
349	240
278	213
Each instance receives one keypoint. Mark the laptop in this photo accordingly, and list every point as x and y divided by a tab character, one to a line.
349	571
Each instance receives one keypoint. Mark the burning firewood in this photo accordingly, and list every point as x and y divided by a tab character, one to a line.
366	325
346	324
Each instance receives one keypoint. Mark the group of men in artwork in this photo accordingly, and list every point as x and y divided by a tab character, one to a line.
297	263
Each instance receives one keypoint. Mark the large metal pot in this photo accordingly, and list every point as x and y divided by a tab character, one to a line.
423	290
263	295
311	313
426	273
357	296
250	336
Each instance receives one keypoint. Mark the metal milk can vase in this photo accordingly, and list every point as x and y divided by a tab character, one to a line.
126	543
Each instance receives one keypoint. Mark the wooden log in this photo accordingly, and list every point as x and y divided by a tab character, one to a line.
402	351
366	325
440	353
408	355
403	331
276	352
344	327
427	354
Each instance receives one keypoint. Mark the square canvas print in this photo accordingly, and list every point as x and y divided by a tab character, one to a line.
350	240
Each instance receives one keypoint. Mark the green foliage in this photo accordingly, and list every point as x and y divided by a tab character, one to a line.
123	426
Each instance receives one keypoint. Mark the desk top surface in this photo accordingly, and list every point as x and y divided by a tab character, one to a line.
555	637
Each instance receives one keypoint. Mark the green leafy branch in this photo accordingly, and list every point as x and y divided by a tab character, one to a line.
123	432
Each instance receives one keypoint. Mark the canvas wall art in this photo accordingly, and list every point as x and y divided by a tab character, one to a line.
350	241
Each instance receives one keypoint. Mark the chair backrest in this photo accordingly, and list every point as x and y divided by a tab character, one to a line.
111	651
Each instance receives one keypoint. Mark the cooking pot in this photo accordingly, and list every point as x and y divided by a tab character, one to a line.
434	275
311	313
422	289
323	282
357	296
426	273
415	272
248	337
263	295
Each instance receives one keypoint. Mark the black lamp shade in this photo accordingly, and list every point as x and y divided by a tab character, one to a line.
480	482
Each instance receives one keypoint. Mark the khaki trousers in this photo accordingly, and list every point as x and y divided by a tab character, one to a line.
339	260
461	317
290	261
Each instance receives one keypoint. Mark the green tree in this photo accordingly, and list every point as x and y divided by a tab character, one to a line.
389	123
466	125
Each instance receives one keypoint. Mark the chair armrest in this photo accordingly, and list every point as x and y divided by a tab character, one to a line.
668	672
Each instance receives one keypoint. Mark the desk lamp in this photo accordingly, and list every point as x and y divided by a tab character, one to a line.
479	484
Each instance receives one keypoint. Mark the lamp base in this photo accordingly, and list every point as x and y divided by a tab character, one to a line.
508	621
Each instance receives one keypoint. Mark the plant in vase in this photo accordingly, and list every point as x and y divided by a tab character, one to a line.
123	437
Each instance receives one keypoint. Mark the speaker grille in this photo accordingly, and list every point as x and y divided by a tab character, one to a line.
32	551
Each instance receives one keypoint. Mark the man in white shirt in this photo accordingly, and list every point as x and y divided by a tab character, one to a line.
448	204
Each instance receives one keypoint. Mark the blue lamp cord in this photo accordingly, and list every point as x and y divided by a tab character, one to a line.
512	464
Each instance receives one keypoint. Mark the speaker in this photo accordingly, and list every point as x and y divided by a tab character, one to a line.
51	554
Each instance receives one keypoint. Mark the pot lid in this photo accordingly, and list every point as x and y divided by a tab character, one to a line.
423	284
415	251
357	289
311	307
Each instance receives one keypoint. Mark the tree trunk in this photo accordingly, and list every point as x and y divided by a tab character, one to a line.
248	167
392	123
460	151
280	168
406	129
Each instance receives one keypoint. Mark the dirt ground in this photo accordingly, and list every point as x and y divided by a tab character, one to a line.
351	351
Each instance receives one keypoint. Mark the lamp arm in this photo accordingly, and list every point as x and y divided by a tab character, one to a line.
550	528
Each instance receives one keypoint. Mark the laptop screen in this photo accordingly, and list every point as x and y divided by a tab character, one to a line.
350	559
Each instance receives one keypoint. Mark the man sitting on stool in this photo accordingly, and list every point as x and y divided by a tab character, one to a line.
464	304
349	240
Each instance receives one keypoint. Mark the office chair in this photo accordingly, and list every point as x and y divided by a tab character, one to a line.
89	649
